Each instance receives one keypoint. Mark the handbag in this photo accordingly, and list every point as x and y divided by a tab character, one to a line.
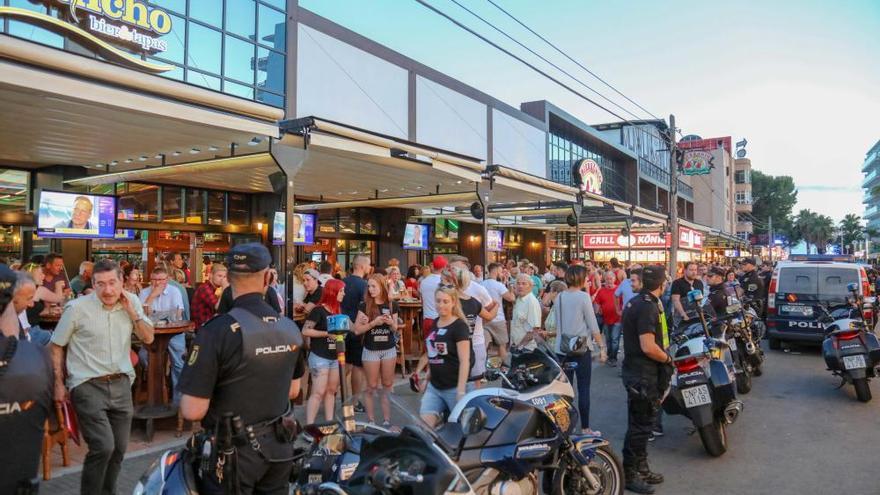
571	346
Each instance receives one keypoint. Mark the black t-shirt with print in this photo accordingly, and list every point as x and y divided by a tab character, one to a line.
382	337
443	358
681	287
314	297
324	347
471	308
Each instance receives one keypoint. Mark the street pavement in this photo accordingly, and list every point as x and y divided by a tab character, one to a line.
798	434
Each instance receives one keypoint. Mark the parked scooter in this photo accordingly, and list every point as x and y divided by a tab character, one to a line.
703	387
850	349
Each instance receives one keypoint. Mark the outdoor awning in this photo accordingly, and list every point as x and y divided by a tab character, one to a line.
63	109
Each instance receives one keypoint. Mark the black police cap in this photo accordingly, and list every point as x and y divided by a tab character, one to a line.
652	273
717	270
750	261
248	258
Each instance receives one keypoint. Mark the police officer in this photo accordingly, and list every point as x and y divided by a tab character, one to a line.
718	291
25	398
244	367
753	285
646	373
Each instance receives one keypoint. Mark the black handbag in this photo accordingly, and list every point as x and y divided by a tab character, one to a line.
572	346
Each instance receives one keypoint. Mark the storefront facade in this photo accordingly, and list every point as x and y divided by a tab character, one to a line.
642	246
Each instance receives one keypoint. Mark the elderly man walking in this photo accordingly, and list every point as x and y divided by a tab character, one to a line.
93	339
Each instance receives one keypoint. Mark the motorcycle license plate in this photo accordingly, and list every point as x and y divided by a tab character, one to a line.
696	396
854	362
732	344
315	479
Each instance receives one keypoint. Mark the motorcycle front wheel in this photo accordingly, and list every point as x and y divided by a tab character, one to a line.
714	438
605	467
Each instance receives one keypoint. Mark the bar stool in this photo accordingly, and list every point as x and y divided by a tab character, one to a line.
52	437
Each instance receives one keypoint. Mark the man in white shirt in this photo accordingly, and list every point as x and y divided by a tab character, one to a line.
428	288
161	298
526	319
497	328
477	291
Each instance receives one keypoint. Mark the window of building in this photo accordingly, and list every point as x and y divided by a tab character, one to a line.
238	209
14	187
743	177
566	149
172	204
142	200
216	208
743	197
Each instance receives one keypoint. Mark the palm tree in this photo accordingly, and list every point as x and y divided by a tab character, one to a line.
851	230
823	232
803	224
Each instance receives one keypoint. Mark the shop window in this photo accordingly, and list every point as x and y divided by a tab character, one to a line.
241	18
238	209
216	208
14	186
272	26
172	204
204	47
143	200
367	221
195	206
348	221
238	60
327	221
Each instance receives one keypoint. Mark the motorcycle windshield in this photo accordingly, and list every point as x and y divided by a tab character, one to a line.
540	362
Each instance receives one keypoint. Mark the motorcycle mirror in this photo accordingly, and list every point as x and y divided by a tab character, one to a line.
472	420
695	295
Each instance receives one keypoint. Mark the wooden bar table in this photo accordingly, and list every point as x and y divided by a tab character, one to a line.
157	405
49	319
410	313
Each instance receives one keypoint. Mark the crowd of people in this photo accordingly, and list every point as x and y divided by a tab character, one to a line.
469	312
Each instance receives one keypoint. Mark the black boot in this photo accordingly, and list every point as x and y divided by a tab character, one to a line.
635	483
649	477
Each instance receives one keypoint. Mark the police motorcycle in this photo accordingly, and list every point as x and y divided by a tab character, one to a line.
851	351
744	340
703	386
503	438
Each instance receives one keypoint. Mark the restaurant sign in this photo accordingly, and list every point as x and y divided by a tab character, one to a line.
589	176
687	239
129	22
697	162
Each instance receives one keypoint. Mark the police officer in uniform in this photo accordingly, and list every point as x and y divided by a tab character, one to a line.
25	398
718	291
647	369
753	286
243	369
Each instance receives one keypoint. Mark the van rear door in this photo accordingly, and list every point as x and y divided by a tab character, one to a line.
800	291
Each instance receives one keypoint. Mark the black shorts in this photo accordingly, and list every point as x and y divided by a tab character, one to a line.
354	350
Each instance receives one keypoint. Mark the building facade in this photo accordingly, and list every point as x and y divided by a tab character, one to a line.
709	163
871	187
743	197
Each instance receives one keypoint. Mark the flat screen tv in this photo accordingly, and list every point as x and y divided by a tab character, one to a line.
495	240
76	216
125	234
416	236
303	225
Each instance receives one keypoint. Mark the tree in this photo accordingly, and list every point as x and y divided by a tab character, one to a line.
772	196
823	232
803	226
851	230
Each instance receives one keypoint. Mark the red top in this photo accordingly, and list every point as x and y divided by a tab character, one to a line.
605	299
203	303
411	283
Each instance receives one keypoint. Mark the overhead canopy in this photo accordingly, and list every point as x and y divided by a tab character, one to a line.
49	117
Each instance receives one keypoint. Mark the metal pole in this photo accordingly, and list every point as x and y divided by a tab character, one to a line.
770	242
673	198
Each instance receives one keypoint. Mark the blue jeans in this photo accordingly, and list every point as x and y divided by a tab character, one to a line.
612	339
582	374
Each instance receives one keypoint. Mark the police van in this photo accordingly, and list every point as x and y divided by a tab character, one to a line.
798	288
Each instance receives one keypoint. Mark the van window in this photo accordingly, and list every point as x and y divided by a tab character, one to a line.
826	283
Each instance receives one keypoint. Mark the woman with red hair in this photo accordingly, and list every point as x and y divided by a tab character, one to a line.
377	322
322	356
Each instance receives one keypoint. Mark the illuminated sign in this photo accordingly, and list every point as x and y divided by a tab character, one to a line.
687	239
589	176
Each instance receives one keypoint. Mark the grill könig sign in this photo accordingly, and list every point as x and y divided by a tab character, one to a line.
687	239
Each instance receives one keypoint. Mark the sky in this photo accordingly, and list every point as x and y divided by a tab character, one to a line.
800	80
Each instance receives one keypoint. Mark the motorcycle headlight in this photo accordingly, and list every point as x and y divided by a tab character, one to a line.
715	353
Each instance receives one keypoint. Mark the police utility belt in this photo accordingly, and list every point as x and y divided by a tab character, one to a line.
215	451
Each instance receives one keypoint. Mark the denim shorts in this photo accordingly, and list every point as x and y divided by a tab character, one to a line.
373	356
439	402
317	363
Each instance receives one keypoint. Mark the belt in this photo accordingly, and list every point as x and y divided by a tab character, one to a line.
108	378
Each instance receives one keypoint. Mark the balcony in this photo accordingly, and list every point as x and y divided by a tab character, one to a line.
658	174
872	211
871	160
869	179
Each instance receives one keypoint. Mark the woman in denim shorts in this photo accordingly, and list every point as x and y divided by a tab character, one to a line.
450	357
377	322
322	356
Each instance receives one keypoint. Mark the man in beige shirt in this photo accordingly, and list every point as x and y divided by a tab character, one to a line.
94	335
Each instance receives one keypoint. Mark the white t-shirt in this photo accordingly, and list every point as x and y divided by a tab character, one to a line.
526	316
428	288
496	289
480	293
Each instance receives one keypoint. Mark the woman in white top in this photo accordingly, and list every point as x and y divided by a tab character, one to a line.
299	289
396	286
